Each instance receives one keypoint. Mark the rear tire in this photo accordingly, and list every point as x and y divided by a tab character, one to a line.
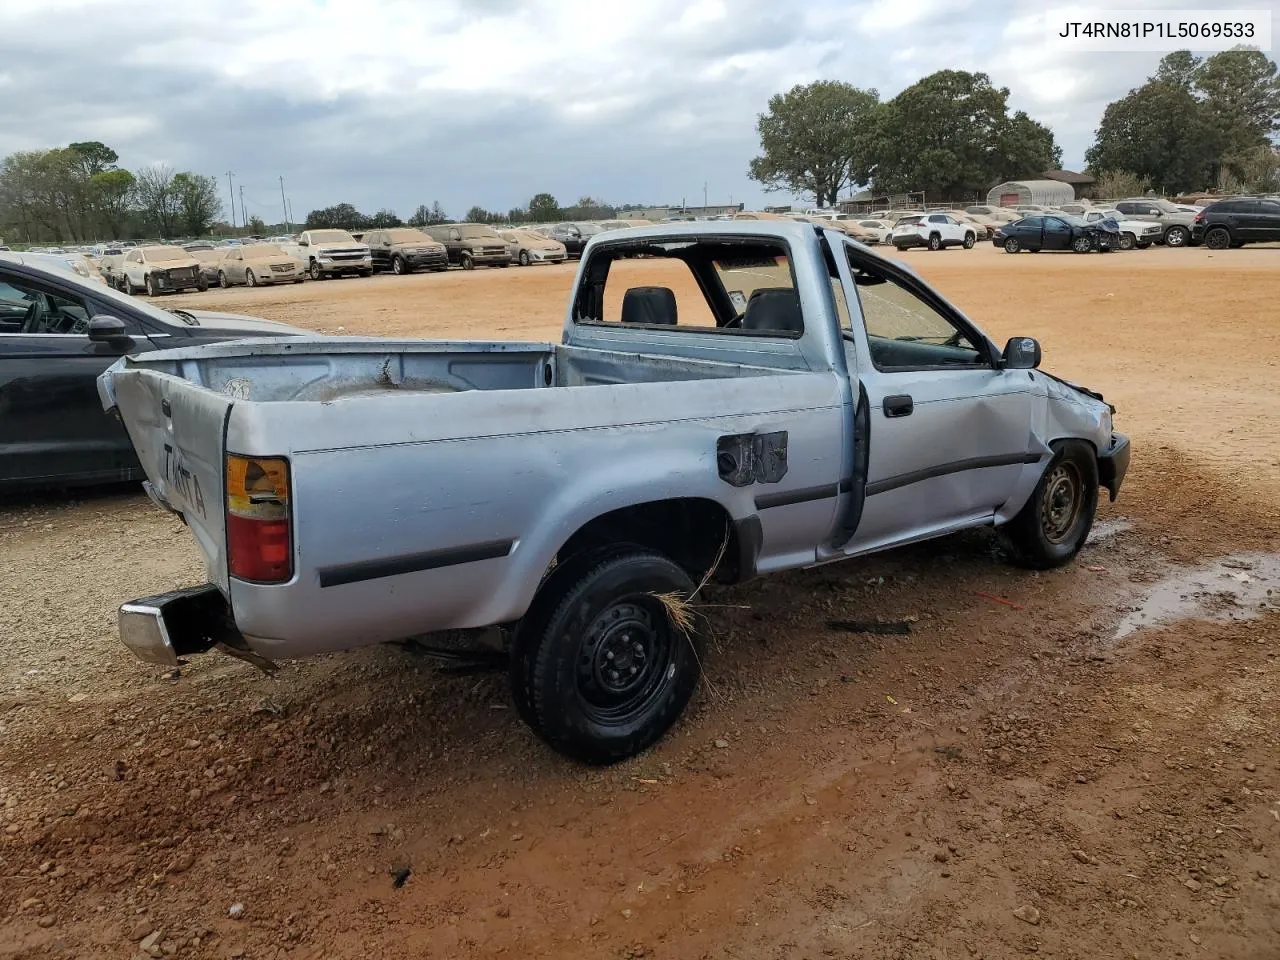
1054	523
601	671
1218	238
935	242
1012	245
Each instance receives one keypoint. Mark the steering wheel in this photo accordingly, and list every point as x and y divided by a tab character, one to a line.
31	319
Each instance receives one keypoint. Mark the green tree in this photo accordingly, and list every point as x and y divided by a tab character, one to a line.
950	135
543	208
385	218
111	196
196	203
1241	94
1178	69
1159	132
1113	184
342	216
256	226
588	208
479	214
437	213
815	139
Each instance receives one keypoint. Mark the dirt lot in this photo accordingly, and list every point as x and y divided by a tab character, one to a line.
1077	764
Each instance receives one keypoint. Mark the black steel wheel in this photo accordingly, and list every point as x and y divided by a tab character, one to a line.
1219	238
1053	525
600	668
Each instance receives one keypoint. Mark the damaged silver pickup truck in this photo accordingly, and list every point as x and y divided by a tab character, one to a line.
727	400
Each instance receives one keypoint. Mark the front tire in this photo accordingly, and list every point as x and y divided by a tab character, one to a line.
466	262
1012	245
1082	245
149	285
1176	237
314	271
602	670
223	282
1128	241
249	279
398	266
1055	522
127	286
969	240
1219	238
524	258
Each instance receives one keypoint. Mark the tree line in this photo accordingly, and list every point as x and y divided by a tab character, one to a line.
541	208
1196	124
78	193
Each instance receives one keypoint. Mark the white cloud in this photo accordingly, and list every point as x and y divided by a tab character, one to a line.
396	102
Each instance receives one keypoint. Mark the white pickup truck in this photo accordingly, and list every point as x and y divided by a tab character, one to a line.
331	253
727	400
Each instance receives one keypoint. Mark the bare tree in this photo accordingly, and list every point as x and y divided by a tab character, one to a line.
157	197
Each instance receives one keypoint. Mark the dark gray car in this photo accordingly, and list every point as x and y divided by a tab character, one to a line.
57	333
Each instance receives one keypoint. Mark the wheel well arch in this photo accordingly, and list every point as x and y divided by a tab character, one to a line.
697	533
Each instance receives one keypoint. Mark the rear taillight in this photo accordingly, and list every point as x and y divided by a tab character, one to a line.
1199	217
259	539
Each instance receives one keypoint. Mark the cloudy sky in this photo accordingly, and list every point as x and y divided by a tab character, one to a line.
399	102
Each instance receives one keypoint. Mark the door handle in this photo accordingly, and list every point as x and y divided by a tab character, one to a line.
899	405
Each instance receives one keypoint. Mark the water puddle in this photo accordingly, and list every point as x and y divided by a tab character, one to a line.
1232	588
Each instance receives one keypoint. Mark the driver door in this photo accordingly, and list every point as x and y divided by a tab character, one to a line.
1057	234
52	425
949	429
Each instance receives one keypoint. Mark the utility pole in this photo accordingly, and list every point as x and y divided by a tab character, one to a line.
244	219
289	204
704	193
285	207
232	194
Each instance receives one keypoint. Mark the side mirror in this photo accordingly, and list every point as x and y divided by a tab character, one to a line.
1021	353
105	329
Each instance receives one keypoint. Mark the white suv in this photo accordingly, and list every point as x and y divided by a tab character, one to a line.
932	230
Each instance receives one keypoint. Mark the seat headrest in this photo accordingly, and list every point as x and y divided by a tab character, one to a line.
649	305
774	308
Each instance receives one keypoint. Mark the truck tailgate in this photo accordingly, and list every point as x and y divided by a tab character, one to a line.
178	430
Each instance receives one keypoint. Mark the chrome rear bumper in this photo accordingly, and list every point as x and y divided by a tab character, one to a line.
162	628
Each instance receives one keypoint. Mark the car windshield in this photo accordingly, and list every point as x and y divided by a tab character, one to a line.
587	229
194	247
331	236
908	221
262	250
165	254
475	231
408	235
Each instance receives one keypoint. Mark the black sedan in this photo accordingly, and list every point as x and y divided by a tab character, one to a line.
1047	231
57	333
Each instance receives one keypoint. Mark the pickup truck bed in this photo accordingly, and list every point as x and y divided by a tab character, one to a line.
800	400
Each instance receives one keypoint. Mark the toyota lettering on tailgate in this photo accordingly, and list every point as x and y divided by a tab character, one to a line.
180	478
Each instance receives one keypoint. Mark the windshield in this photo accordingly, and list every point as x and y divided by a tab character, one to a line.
587	229
263	250
331	236
408	235
907	221
193	247
475	231
166	254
